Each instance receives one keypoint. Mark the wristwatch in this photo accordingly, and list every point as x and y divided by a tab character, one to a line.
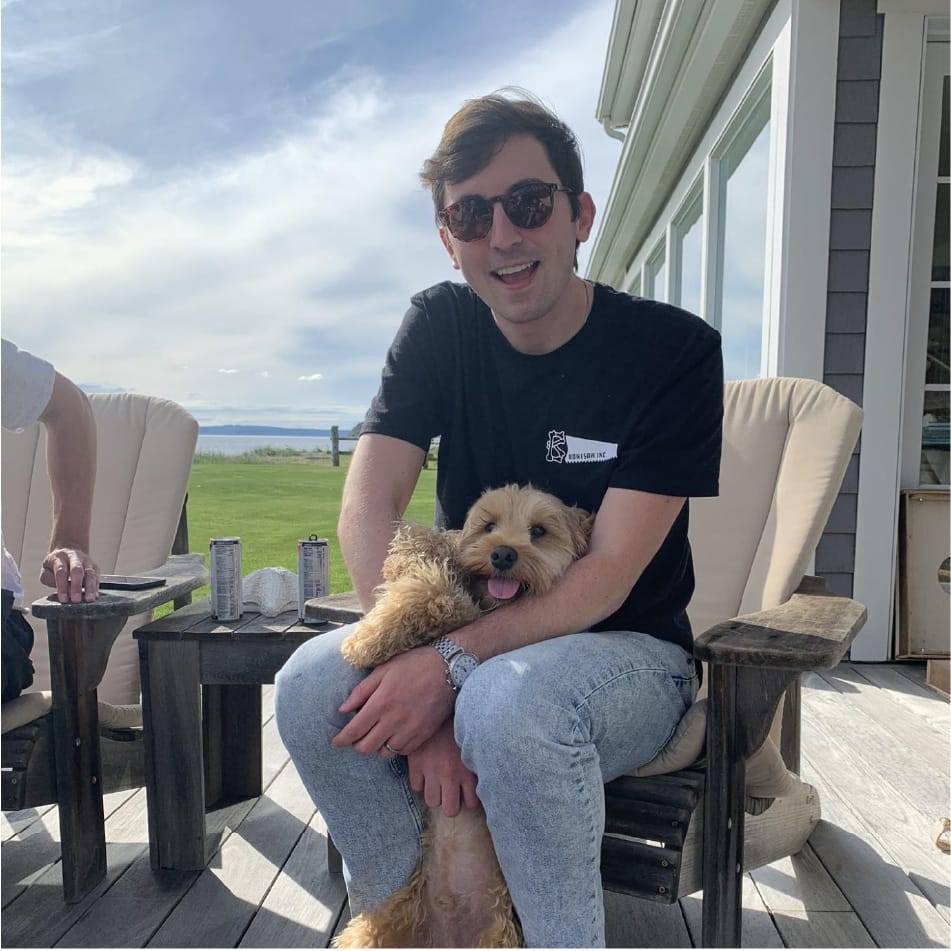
459	662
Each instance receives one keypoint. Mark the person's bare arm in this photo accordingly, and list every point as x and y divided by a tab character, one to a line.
380	483
71	461
628	531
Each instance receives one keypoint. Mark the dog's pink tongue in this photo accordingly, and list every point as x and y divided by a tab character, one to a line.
503	588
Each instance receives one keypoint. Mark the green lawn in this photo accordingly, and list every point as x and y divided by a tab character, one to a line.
269	506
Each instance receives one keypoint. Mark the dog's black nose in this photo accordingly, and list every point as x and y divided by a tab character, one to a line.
504	557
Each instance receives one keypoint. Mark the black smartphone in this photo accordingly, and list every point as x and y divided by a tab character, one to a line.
130	582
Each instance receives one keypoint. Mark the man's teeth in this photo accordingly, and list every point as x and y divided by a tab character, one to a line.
515	268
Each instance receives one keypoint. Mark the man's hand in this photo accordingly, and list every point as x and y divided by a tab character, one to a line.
402	702
436	770
69	571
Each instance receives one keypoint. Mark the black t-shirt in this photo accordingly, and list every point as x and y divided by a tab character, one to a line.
633	401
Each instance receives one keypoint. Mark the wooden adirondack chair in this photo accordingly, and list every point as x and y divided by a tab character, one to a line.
679	824
61	743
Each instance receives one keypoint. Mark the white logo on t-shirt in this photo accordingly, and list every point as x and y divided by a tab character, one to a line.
564	448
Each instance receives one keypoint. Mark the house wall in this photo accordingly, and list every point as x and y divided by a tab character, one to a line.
858	75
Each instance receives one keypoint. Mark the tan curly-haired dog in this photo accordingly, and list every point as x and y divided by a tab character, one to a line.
436	582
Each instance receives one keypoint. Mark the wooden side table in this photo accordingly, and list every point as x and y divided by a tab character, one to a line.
201	705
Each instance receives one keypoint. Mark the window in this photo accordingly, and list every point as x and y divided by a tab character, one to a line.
935	418
743	177
688	256
655	275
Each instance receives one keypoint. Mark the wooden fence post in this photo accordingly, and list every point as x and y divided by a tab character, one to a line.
335	444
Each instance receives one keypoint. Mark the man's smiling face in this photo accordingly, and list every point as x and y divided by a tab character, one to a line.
542	258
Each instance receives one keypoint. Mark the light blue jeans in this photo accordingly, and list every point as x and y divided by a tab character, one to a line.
542	727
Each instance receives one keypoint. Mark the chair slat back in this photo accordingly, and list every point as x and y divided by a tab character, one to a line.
786	445
144	453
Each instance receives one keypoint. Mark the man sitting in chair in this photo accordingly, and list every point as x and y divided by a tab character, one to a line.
32	390
529	374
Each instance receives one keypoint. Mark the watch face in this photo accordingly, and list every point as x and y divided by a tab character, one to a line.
461	667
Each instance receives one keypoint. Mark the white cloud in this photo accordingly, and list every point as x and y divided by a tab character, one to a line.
319	238
313	376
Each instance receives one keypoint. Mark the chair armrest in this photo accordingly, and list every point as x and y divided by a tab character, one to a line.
182	574
810	631
343	608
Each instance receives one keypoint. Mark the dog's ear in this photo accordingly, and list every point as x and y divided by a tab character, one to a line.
581	523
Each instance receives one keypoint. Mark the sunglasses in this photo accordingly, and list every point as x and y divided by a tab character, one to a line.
526	206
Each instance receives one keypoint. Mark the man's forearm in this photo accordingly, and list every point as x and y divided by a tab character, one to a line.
365	531
71	461
588	592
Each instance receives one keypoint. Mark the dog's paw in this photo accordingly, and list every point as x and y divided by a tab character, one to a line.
364	647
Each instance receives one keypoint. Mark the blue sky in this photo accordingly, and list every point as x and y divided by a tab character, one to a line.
217	202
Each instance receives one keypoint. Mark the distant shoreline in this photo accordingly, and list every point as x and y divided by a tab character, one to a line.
240	430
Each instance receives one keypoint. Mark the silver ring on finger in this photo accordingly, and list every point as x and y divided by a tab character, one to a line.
393	749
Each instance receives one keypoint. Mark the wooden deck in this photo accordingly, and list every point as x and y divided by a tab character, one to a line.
875	744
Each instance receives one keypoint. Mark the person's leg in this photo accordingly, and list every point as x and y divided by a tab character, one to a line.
544	727
17	642
372	814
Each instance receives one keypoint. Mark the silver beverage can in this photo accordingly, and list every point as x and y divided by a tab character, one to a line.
313	571
225	564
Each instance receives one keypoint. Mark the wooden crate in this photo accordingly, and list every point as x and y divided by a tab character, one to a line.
924	606
939	675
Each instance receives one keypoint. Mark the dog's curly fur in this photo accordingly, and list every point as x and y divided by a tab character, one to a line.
434	583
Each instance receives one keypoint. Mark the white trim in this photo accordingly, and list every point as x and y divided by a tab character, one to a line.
799	42
689	213
879	483
723	127
711	247
652	265
632	32
746	126
697	54
915	7
806	119
919	311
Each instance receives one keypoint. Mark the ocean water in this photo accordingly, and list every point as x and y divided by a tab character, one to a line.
236	445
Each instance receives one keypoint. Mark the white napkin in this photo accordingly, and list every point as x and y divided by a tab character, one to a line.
271	591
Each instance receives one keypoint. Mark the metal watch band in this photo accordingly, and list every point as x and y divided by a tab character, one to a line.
449	650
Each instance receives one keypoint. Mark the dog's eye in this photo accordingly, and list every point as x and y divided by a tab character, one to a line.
538	531
489	526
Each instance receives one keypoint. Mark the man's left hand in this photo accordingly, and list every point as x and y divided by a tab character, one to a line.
402	702
73	573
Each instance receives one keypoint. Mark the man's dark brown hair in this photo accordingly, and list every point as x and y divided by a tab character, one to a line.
482	126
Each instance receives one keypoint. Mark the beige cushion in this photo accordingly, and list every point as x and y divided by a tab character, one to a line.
145	449
684	748
25	708
766	773
786	445
34	704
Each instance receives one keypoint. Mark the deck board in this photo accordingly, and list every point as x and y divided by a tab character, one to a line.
873	738
303	904
634	923
759	929
892	908
219	906
902	831
886	757
13	822
925	703
916	735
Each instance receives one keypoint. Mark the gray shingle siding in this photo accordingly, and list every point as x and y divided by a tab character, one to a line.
850	233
